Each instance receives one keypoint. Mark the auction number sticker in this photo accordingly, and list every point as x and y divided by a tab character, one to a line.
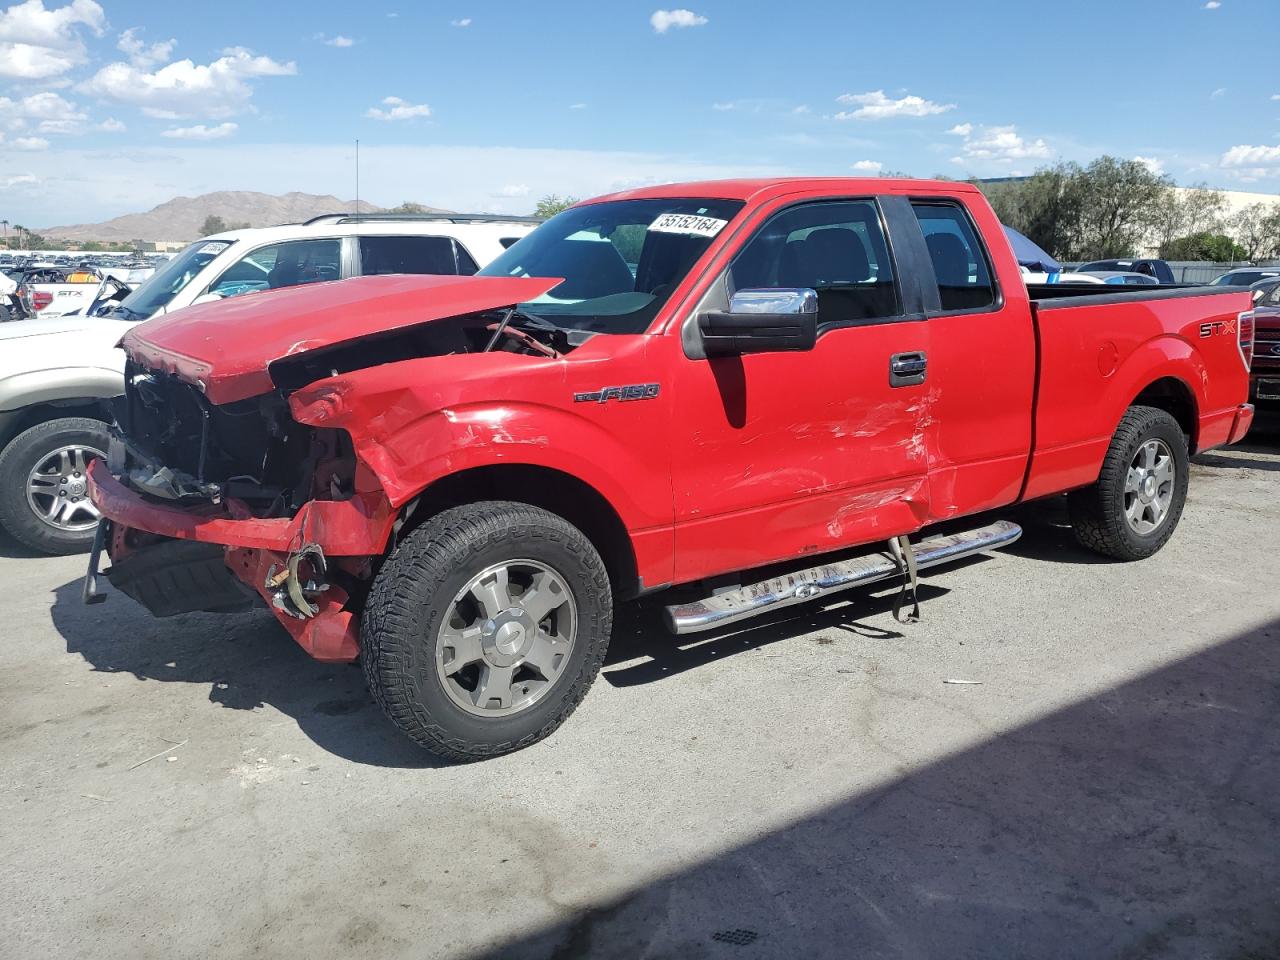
689	224
215	247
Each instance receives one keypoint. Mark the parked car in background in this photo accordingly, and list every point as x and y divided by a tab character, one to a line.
1032	276
743	388
1121	278
1245	276
1157	269
57	376
51	292
328	247
1264	382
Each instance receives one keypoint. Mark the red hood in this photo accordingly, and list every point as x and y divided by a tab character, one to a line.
226	346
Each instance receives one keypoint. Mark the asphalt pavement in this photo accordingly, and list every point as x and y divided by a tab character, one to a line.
1106	783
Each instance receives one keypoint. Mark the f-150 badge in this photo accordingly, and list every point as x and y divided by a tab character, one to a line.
634	391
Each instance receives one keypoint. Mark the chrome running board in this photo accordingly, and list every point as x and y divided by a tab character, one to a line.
766	596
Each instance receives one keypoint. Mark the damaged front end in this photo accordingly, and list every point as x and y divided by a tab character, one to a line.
218	508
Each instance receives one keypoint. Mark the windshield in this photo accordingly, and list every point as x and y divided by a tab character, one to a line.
620	260
163	285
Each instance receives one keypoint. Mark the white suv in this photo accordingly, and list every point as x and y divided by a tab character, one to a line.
57	377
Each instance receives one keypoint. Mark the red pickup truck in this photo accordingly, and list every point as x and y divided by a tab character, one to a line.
726	388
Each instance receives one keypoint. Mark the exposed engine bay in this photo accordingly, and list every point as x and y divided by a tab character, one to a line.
174	444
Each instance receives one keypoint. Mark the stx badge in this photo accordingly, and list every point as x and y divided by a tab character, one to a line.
634	391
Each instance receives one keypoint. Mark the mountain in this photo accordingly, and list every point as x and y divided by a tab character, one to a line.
182	217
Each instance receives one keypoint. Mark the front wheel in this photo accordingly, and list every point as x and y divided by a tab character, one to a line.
485	628
1133	509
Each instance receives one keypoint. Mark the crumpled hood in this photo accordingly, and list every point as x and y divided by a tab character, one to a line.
226	347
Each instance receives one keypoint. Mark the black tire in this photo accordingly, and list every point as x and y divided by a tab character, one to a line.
1098	512
413	593
22	455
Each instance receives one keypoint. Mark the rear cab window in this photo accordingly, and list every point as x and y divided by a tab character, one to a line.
960	263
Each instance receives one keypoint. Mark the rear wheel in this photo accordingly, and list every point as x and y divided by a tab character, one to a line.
44	493
1133	509
485	628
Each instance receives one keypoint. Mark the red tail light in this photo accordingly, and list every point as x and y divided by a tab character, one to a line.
42	298
1245	326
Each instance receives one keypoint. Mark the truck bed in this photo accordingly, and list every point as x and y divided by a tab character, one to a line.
1173	347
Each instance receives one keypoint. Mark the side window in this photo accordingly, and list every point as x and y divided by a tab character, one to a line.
467	267
837	249
281	265
959	262
380	255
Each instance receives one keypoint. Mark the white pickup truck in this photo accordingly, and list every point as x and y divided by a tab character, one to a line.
58	375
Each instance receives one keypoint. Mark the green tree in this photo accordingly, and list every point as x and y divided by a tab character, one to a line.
212	224
409	207
1257	229
552	204
1203	245
1044	207
1184	213
1116	201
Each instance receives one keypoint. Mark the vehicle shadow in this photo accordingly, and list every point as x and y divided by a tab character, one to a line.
1237	460
1138	823
247	661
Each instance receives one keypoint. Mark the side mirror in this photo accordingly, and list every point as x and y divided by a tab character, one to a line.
206	298
762	321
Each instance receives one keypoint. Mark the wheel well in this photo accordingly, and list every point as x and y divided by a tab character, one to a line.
1176	399
560	493
15	422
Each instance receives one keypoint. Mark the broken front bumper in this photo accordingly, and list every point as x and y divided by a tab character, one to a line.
263	555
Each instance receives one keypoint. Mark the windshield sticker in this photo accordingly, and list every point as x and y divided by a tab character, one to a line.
214	248
687	223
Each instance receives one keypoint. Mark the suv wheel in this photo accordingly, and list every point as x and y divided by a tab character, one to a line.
485	628
44	494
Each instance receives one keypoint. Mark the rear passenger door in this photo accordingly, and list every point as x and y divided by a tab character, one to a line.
401	254
981	369
781	455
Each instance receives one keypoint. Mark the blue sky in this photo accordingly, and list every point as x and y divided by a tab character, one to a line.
112	106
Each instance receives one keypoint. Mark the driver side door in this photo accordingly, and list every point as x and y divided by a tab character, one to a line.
784	455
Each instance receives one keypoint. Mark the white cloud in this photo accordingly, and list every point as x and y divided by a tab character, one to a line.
1275	96
802	108
50	112
30	143
1154	164
1212	5
336	41
868	166
664	20
876	106
1220	92
1251	163
37	43
398	109
513	190
201	132
577	106
464	22
728	105
21	180
186	89
140	54
997	145
112	125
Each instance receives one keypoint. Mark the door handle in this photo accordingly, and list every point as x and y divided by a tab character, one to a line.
908	369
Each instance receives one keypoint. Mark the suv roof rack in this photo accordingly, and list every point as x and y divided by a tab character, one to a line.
396	217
